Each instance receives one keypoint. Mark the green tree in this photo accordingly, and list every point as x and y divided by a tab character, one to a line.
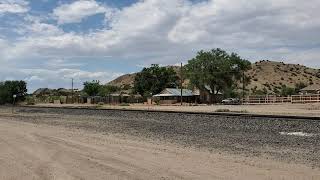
92	88
10	88
218	70
154	79
299	86
107	89
287	91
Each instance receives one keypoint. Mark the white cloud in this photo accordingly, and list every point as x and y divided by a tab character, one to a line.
77	11
13	6
55	78
166	32
169	31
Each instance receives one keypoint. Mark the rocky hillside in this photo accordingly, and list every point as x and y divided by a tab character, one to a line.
265	75
272	75
124	80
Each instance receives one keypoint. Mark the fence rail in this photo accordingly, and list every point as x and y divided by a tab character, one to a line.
295	99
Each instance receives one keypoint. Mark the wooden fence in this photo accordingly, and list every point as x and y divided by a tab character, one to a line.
295	99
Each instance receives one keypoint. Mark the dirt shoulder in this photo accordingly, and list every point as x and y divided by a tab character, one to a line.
41	151
307	110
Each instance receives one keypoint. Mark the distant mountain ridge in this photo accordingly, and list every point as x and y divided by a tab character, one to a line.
265	74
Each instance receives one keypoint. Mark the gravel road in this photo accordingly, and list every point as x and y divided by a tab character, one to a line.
53	143
288	140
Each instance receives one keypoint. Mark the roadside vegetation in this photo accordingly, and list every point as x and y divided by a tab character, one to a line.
94	88
153	80
10	88
214	72
217	71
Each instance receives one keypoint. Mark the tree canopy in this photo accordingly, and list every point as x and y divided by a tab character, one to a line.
217	69
94	88
91	88
106	90
10	88
154	79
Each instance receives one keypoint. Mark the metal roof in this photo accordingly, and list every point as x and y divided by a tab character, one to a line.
313	87
175	92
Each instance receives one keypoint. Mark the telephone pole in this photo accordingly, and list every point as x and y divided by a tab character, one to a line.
243	85
72	90
181	82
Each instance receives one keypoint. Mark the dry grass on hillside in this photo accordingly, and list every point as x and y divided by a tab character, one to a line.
270	75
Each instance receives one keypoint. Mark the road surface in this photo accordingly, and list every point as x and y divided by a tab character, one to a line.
53	145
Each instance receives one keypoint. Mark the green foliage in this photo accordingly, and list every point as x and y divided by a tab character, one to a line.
95	89
105	90
217	69
154	79
10	88
30	100
230	93
287	91
260	92
299	86
92	88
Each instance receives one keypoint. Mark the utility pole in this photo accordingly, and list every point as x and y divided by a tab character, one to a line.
181	82
13	102
72	90
243	85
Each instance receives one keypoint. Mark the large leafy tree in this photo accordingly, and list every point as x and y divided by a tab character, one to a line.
92	88
154	79
108	89
10	88
217	69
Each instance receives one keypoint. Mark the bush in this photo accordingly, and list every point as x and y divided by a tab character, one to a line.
124	104
30	100
10	88
287	91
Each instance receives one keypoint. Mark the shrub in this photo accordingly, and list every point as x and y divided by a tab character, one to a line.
30	100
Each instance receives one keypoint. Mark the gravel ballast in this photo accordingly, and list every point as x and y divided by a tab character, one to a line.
284	139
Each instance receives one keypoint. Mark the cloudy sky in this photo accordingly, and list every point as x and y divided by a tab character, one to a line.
48	42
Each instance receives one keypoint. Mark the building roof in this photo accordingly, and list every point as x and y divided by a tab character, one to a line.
313	87
175	92
42	91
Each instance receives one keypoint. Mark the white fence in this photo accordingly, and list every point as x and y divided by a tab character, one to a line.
295	99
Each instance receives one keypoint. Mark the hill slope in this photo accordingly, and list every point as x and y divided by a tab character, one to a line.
269	75
272	75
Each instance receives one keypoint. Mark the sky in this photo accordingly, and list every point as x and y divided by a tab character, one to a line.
48	42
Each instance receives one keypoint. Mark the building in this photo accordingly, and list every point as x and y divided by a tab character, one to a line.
312	89
207	97
173	96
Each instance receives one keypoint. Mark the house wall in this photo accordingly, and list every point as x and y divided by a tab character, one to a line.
168	101
205	97
176	99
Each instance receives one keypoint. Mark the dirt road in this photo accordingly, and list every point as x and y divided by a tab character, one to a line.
53	145
30	151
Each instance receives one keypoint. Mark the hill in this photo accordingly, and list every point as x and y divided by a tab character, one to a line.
271	75
123	81
265	75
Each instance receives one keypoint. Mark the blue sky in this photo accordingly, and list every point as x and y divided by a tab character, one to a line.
48	42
